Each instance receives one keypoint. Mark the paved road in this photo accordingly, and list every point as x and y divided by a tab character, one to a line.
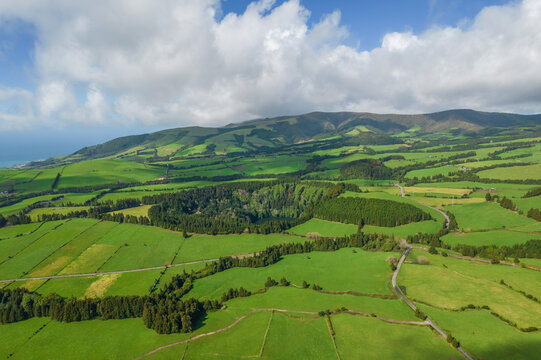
107	272
403	194
413	307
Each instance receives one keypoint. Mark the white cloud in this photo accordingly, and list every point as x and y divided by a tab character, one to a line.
172	63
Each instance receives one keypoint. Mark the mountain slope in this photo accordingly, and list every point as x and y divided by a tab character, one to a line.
286	130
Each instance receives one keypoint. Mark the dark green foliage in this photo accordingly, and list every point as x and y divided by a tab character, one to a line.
533	192
304	284
270	282
534	214
233	208
366	169
453	225
235	293
488	197
507	203
284	282
530	249
372	211
55	182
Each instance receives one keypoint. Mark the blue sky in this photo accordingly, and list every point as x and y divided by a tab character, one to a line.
79	74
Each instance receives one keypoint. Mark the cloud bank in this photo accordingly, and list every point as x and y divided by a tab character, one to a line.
173	62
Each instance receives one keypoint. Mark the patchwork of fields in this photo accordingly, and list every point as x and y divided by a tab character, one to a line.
236	228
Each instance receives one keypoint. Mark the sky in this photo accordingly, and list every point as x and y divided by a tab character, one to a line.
77	73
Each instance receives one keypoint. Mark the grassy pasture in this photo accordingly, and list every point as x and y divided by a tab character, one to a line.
140	246
486	216
490	338
35	213
11	246
243	340
42	248
106	171
21	205
439	201
432	189
66	254
291	298
513	172
91	259
440	170
330	270
96	339
201	247
460	283
17	230
43	181
366	338
495	237
324	228
135	211
312	339
15	336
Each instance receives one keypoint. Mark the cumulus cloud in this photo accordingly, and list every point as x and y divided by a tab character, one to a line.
173	62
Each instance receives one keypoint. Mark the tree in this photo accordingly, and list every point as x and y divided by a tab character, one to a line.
284	282
270	282
488	197
304	284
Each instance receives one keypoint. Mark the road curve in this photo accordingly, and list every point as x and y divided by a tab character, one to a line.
403	194
414	308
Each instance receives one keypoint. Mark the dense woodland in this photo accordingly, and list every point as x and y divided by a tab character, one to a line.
368	211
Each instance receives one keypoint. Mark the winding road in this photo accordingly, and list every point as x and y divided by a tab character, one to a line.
414	308
403	194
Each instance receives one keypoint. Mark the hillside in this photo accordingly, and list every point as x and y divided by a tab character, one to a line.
261	134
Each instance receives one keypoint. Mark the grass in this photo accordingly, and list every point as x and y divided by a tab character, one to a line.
439	202
42	248
118	339
17	230
366	338
243	340
432	189
140	246
330	270
460	283
107	171
513	172
485	336
201	247
35	213
14	336
486	216
135	211
90	260
495	237
324	228
309	300
312	339
10	247
440	170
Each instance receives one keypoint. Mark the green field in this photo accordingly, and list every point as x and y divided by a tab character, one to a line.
228	216
332	273
323	228
486	216
495	237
